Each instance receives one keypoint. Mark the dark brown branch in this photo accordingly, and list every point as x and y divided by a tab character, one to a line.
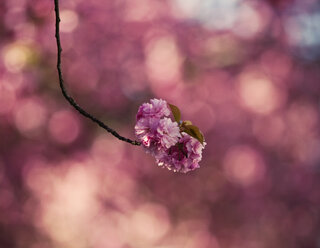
68	97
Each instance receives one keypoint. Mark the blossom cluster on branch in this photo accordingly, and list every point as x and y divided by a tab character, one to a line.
176	145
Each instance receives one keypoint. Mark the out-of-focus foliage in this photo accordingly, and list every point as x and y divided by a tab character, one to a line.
246	72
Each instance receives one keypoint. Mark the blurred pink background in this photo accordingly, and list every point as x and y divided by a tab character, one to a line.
246	72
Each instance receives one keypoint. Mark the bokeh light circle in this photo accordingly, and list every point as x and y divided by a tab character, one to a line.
64	126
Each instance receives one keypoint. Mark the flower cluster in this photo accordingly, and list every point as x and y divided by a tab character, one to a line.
175	144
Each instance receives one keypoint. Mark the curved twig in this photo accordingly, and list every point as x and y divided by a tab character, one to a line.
68	97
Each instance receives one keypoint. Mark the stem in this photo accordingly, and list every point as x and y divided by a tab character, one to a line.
68	97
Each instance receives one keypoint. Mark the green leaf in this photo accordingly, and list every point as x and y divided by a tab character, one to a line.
176	112
194	131
186	123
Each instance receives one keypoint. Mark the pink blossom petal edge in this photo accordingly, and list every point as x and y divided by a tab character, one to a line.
158	108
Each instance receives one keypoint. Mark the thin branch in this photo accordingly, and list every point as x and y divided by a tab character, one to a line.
68	97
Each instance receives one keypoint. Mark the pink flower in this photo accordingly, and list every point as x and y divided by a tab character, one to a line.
162	138
182	157
158	108
168	132
146	131
157	133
